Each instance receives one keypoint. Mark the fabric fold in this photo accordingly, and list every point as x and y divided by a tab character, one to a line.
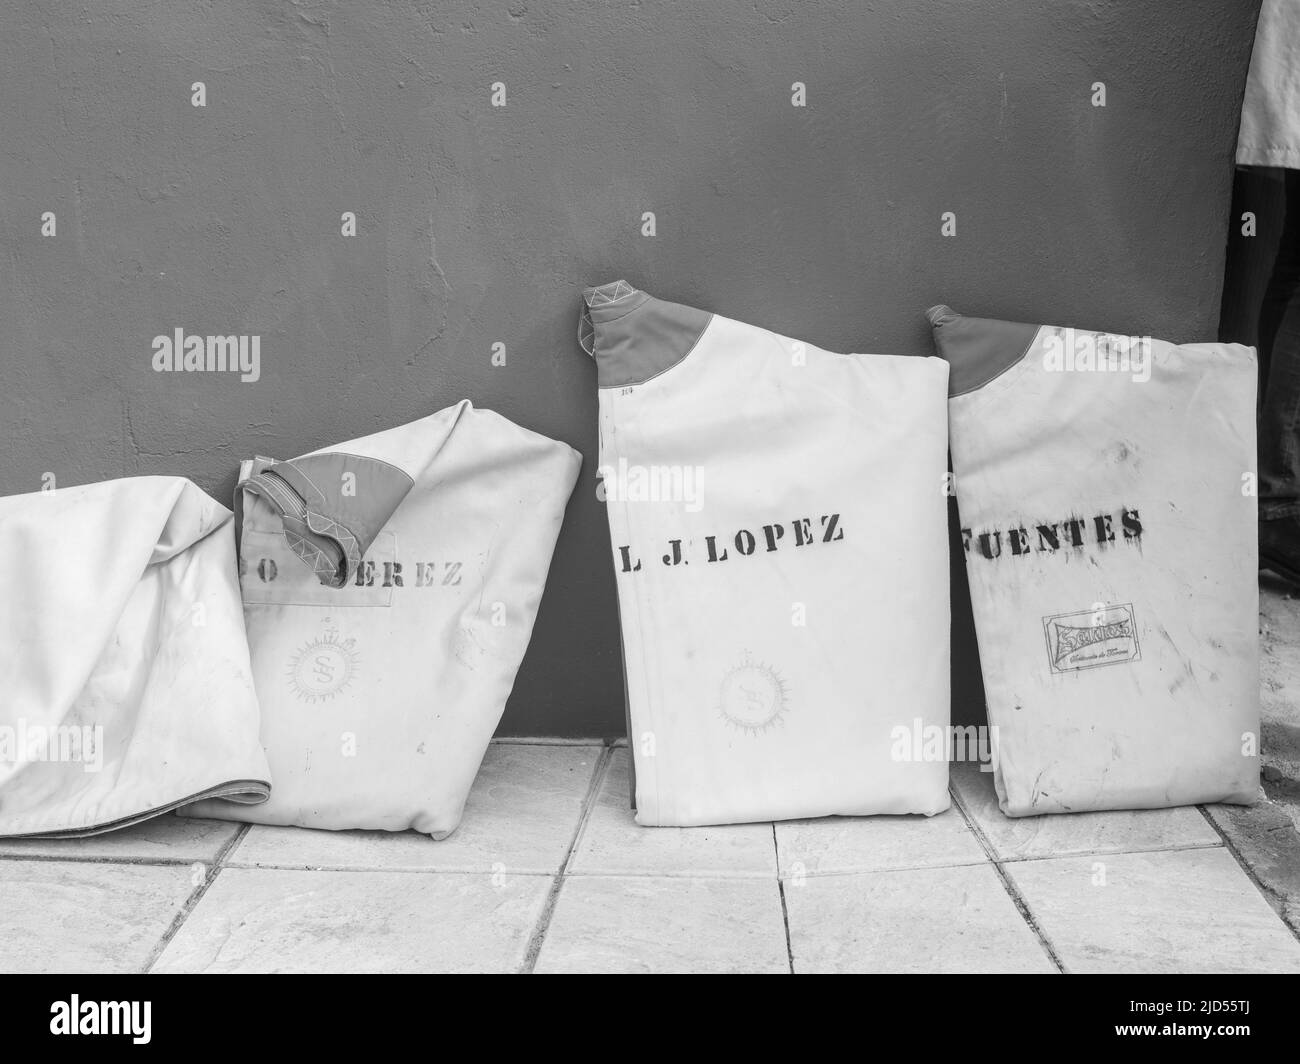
384	663
129	689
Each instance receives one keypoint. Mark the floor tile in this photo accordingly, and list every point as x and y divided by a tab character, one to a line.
290	920
1264	837
957	919
61	916
870	844
655	924
1182	911
1279	695
1020	838
612	843
521	817
164	838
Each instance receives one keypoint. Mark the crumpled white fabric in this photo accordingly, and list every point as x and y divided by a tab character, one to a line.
127	686
379	696
1270	112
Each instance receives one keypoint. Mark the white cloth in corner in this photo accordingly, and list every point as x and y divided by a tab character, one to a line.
1270	110
127	687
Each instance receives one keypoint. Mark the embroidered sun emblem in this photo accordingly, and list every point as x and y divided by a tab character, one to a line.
753	697
324	667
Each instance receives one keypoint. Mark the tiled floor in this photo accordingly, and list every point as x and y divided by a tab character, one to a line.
548	873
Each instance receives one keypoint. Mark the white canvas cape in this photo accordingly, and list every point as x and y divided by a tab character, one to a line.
1106	491
390	585
779	534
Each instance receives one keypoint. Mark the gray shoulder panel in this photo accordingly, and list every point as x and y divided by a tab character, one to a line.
977	350
633	336
327	527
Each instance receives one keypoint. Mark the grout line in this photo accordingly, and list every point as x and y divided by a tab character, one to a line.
146	862
406	870
534	948
1023	906
711	874
1003	860
1176	848
279	866
224	853
195	897
841	872
604	763
1240	858
538	936
1016	898
228	862
785	912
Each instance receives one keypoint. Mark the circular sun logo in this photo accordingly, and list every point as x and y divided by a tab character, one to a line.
753	697
319	670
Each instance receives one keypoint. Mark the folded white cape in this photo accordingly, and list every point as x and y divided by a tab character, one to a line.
127	687
390	586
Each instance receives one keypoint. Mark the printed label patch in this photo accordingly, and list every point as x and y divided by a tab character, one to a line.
1106	635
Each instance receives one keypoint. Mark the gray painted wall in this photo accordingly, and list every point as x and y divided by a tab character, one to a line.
480	225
